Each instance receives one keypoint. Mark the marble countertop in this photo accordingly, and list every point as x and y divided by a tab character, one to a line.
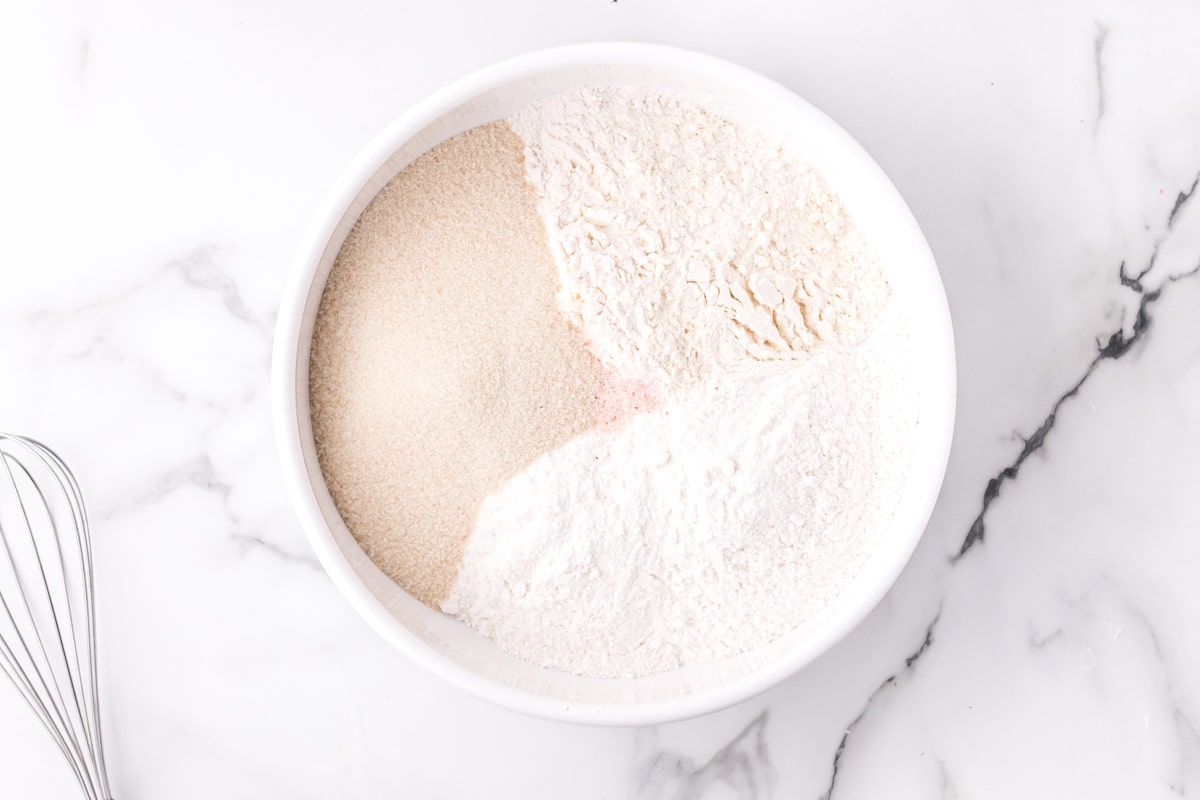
158	165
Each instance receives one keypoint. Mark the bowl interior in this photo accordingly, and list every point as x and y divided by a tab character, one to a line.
447	645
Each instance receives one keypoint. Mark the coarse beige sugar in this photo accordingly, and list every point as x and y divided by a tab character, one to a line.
441	365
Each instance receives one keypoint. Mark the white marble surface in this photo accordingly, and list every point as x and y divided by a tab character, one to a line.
158	164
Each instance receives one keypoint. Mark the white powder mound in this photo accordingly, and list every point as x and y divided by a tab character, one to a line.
688	246
701	530
716	272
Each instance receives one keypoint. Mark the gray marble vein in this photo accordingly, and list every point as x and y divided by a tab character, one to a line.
910	663
197	268
1180	200
948	786
259	542
742	768
1186	735
1098	44
200	271
1111	348
199	472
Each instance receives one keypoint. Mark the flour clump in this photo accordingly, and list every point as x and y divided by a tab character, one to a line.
690	247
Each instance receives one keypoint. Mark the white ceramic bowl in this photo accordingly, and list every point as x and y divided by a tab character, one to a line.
446	646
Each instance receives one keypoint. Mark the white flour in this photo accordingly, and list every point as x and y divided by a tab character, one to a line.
703	529
701	261
688	246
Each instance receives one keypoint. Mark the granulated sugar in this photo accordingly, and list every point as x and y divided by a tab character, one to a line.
440	363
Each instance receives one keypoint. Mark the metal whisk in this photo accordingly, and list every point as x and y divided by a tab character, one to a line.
47	604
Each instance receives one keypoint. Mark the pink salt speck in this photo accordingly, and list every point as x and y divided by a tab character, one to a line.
618	399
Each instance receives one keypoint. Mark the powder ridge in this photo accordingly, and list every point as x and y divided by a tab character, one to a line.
690	247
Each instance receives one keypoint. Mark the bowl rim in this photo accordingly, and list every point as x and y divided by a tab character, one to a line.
286	411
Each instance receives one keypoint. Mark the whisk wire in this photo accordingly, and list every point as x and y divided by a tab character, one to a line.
28	693
51	687
75	504
60	610
63	732
58	624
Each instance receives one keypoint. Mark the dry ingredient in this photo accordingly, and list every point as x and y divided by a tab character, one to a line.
440	363
710	526
690	247
715	269
636	402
